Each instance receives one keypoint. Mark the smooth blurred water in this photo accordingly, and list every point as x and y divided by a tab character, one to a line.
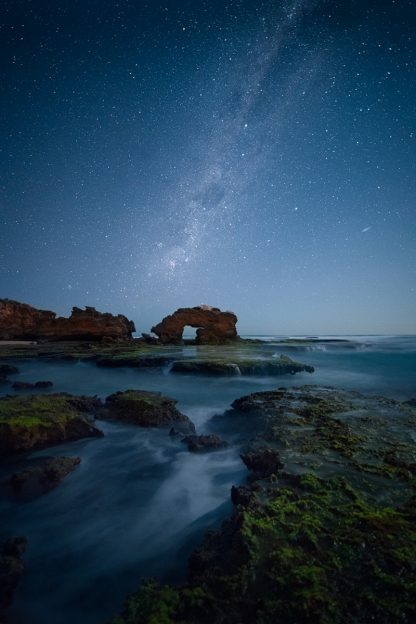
139	502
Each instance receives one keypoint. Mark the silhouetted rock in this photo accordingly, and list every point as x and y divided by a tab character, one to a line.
19	321
213	326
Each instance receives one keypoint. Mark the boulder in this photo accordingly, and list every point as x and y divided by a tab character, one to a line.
19	321
40	478
11	569
27	385
145	409
8	369
204	443
213	326
263	462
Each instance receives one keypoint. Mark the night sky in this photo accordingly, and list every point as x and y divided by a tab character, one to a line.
258	156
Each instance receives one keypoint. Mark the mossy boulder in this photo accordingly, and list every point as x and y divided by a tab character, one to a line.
37	421
145	409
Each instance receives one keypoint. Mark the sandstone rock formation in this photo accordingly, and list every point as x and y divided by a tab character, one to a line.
19	321
213	326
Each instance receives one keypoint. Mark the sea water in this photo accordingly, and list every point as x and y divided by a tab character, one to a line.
140	502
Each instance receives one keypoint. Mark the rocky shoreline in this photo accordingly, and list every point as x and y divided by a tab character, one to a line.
324	529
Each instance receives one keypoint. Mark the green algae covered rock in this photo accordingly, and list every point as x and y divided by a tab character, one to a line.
234	366
37	421
146	409
324	531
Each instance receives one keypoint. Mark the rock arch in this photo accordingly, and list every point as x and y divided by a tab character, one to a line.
213	326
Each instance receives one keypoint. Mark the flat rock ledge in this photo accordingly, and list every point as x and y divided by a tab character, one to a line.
221	367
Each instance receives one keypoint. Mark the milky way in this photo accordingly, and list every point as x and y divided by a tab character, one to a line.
257	156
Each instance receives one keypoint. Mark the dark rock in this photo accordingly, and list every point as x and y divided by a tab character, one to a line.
146	409
27	385
41	477
11	569
205	367
204	443
8	369
263	462
281	366
43	384
242	495
19	321
22	385
134	362
148	339
214	326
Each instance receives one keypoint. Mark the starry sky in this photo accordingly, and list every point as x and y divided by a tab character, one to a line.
257	156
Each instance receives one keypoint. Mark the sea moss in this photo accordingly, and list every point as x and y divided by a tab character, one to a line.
40	420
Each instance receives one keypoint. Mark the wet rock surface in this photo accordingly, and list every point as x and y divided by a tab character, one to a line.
39	478
11	570
324	530
240	366
145	409
204	443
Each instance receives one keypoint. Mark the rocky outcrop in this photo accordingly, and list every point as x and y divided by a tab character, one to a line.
39	478
204	443
213	326
11	569
146	409
19	321
38	421
235	366
331	537
28	385
263	462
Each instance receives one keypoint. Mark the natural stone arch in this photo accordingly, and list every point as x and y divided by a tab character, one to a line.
213	326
